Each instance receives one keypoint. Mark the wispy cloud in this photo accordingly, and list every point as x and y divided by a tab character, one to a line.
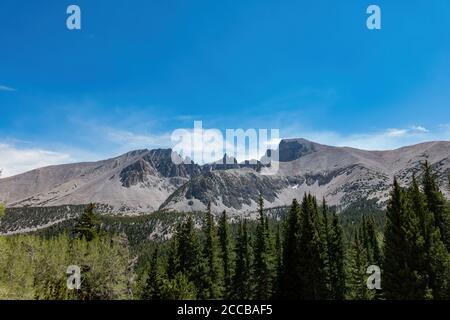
15	160
6	88
130	140
386	139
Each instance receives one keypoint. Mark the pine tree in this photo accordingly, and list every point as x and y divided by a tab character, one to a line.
403	244
226	253
436	204
213	278
325	234
264	262
278	261
311	269
435	223
186	258
88	225
289	280
357	269
178	288
439	268
241	286
365	239
372	243
426	226
172	261
188	250
336	258
153	285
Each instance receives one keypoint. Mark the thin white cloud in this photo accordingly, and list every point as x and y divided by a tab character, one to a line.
387	139
16	160
6	88
395	132
130	140
419	129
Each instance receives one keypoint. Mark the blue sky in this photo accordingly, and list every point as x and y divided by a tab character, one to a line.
140	69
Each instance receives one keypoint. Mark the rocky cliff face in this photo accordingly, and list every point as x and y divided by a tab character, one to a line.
143	181
292	149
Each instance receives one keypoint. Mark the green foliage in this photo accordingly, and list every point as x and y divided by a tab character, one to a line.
35	268
186	257
154	282
2	210
416	260
264	261
16	267
356	274
351	218
242	282
88	224
436	204
213	276
372	243
226	253
403	241
311	250
178	288
336	258
289	279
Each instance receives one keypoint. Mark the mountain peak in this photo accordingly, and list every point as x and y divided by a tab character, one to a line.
292	149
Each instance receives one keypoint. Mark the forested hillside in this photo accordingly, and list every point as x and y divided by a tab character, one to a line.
305	251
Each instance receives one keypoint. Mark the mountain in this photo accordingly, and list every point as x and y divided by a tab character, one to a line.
138	181
143	181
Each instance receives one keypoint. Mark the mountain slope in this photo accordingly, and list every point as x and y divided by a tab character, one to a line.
138	181
143	181
340	174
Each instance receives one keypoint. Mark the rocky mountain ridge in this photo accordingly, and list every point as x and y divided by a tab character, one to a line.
144	181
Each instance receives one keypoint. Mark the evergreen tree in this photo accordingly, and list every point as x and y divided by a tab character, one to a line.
278	261
178	288
88	224
365	239
213	277
336	258
436	261
436	204
187	259
311	267
325	234
242	288
264	262
372	243
172	260
357	269
188	249
289	280
153	285
226	252
403	244
439	268
426	226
